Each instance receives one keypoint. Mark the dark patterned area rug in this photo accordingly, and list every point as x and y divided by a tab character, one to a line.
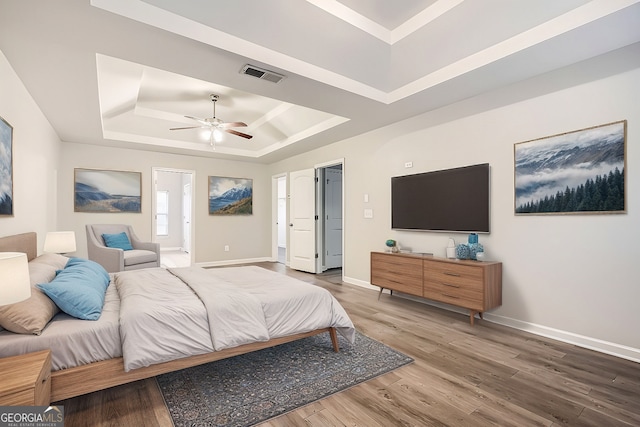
254	387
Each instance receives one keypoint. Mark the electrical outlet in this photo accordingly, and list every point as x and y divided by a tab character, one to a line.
226	248
408	165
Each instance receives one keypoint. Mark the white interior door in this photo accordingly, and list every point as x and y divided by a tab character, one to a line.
186	215
302	220
333	217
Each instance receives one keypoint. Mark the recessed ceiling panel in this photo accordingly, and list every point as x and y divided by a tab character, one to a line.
142	104
389	14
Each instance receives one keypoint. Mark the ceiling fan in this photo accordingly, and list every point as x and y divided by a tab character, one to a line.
215	125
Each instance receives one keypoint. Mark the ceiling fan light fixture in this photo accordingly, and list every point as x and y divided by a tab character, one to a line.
214	126
217	135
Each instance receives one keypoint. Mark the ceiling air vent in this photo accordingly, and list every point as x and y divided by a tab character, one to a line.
261	73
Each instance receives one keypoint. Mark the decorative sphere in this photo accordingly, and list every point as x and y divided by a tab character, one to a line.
390	243
462	251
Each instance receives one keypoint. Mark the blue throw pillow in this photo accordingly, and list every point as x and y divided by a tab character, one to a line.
79	288
120	240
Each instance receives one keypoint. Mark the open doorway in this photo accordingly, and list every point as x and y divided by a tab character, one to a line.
279	232
330	222
172	215
315	223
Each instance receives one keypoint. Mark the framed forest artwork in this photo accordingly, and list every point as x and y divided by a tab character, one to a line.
6	168
576	172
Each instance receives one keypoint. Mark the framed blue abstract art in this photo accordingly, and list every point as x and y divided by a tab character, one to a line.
6	168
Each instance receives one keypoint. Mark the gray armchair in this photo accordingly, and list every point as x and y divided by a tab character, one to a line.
143	255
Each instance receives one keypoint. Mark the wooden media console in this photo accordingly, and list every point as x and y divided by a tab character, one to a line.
474	285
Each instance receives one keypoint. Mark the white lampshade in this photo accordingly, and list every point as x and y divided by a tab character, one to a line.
14	277
60	242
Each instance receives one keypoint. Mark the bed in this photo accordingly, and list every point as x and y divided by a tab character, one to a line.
157	320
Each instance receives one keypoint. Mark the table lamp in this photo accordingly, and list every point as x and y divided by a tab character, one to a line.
60	242
15	285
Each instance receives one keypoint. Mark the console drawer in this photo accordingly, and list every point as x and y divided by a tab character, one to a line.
462	296
456	274
403	274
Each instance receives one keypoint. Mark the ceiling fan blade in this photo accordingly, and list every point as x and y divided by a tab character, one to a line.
198	119
235	132
191	127
233	125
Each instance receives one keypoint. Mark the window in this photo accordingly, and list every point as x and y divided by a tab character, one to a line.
162	213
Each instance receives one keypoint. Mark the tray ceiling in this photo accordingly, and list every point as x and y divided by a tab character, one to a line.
122	72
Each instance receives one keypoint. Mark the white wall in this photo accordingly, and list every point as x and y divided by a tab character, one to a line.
35	160
248	236
573	277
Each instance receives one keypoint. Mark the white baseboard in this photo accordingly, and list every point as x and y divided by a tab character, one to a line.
360	283
596	344
590	343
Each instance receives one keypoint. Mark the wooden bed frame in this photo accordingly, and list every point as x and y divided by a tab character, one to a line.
67	383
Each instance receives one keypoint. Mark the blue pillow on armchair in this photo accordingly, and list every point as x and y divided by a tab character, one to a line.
120	240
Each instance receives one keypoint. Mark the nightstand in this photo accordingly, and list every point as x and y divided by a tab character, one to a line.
26	379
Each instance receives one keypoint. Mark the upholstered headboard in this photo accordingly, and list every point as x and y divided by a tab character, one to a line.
25	242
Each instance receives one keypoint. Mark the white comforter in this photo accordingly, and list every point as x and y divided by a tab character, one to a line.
168	314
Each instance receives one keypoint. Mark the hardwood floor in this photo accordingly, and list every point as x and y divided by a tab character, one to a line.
463	375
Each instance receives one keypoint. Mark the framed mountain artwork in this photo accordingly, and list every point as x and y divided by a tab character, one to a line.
577	172
230	196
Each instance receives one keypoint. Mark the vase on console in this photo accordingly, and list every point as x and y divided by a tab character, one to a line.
470	250
474	246
475	249
462	251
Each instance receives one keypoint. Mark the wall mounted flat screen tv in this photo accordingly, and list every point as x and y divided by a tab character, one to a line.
444	200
